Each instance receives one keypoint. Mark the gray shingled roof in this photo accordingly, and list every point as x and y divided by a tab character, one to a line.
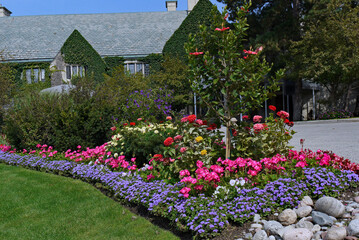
115	34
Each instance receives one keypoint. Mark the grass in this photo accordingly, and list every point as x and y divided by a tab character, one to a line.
36	205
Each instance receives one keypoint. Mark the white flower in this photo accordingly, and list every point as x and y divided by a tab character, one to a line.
156	132
115	155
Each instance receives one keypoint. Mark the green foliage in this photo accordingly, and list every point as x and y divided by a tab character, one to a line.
201	14
154	61
228	81
76	50
62	121
112	62
173	75
329	51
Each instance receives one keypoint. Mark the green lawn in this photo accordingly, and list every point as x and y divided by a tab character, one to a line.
35	205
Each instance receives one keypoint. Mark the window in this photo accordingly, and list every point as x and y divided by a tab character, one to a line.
74	70
34	75
137	67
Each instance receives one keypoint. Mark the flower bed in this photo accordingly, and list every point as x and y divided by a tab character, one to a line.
205	216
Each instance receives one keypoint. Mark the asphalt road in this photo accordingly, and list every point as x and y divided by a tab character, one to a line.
341	137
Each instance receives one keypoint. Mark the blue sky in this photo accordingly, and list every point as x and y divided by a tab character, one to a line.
49	7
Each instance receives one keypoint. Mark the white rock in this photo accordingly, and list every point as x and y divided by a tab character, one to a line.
282	231
298	234
353	228
256	218
336	233
272	227
331	206
256	225
304	224
316	228
306	201
287	217
303	211
260	235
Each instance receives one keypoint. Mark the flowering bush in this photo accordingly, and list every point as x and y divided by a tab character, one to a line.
139	139
259	140
149	104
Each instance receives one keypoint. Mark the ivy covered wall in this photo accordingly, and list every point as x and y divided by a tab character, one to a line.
77	50
200	15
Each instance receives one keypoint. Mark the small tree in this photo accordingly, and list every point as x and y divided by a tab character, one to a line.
229	79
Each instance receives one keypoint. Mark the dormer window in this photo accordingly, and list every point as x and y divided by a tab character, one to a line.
75	70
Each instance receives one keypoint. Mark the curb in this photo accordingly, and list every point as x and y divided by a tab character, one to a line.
343	120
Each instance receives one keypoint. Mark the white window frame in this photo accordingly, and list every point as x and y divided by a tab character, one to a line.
79	68
30	78
136	63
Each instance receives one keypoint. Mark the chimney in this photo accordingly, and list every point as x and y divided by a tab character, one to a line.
4	12
171	6
191	4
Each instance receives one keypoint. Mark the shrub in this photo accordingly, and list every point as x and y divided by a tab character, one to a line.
335	113
62	121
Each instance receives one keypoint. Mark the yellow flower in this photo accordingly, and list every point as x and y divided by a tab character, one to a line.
203	152
198	139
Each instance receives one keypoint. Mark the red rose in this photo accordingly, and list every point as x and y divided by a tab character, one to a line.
125	124
132	123
205	122
168	141
273	108
212	127
245	117
191	118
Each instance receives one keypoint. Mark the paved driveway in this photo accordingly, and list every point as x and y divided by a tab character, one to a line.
341	137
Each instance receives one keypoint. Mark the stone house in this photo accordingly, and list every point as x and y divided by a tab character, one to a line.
26	39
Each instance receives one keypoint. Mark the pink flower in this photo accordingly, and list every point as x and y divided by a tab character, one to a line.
252	173
249	52
185	191
150	168
301	164
257	118
199	122
283	114
139	119
133	159
113	128
183	149
184	119
169	118
78	146
258	127
198	187
184	173
199	164
178	138
150	176
38	146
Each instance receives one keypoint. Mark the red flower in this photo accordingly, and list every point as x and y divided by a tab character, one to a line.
132	123
249	52
191	118
234	132
245	117
113	128
225	17
125	124
212	127
222	29
286	121
196	53
273	108
168	141
205	122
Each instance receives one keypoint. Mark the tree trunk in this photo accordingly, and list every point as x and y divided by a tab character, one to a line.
347	98
297	104
228	141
